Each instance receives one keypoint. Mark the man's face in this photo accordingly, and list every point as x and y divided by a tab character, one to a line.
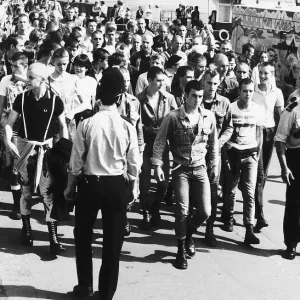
241	72
247	92
231	65
17	67
182	31
249	53
147	43
97	41
163	32
141	25
271	55
70	14
265	74
196	41
23	23
42	25
137	43
185	79
222	66
34	81
156	63
54	17
264	57
210	85
20	46
158	82
200	67
111	36
92	27
72	51
177	44
194	98
225	48
126	77
61	64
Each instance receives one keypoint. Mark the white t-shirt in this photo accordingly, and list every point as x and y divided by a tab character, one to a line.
244	126
86	87
268	101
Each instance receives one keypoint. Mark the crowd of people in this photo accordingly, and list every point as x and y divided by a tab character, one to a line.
89	111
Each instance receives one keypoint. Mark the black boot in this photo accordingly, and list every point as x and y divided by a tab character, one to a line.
145	223
289	253
155	215
210	238
15	213
250	237
181	262
26	235
261	221
127	227
190	246
55	246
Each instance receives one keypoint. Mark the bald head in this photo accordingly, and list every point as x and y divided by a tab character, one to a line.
38	69
147	43
242	71
177	43
222	64
37	74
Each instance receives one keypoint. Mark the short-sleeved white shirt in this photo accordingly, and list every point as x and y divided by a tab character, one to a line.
244	126
86	88
268	101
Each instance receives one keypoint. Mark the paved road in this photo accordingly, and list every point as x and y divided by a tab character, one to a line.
231	271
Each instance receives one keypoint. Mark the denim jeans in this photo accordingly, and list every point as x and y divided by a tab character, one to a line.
191	189
145	180
262	172
246	175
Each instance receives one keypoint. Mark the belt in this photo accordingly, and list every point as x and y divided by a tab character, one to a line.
96	178
190	168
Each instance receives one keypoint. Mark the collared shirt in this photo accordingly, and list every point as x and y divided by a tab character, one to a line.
129	107
288	130
179	95
166	103
229	88
188	144
220	106
104	144
268	101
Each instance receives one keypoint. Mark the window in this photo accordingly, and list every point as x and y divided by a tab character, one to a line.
224	14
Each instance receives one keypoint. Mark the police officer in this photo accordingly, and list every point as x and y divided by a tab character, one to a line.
287	141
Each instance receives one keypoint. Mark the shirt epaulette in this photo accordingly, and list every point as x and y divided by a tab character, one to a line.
292	106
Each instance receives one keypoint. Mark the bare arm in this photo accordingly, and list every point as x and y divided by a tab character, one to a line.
2	101
63	130
9	133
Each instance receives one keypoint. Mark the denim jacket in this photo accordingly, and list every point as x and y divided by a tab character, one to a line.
221	108
149	117
188	145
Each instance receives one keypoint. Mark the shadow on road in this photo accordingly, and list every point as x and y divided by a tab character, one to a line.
279	202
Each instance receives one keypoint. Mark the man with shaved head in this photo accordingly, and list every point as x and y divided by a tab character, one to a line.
176	46
141	59
142	31
163	36
228	86
40	111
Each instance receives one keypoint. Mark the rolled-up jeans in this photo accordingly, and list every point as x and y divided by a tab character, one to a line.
191	189
246	174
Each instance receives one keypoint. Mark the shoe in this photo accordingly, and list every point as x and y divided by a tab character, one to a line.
55	246
210	238
190	246
250	237
81	291
260	224
145	223
26	234
224	220
127	228
15	215
181	261
289	253
155	215
228	226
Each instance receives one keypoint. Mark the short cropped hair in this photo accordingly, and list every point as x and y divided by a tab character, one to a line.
153	72
193	85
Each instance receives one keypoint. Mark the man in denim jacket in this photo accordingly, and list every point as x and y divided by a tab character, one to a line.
155	105
192	134
220	107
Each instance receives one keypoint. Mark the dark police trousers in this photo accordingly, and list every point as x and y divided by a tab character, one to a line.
291	222
109	194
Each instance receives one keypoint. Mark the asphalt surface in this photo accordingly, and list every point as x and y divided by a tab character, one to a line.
230	271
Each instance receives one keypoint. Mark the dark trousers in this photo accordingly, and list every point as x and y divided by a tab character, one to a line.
109	194
291	226
262	171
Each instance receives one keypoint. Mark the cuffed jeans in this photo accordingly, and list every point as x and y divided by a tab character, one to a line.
27	173
263	167
246	175
191	189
